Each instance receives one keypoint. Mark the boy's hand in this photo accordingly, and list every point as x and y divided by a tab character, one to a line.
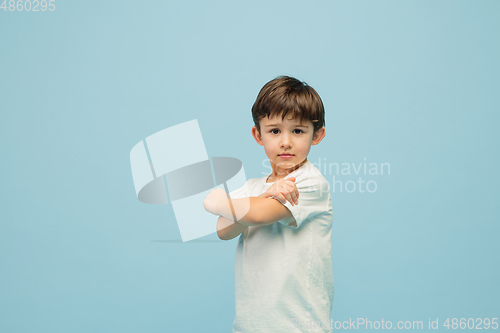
283	190
214	201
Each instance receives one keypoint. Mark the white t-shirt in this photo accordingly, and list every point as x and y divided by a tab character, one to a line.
283	274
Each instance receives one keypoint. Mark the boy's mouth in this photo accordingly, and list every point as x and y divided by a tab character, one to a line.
285	155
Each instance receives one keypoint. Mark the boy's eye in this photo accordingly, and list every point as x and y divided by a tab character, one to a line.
276	131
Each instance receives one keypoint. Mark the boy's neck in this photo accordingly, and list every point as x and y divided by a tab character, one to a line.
275	176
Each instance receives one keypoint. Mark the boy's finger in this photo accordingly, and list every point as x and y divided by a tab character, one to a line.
279	197
296	190
282	198
289	198
295	194
293	191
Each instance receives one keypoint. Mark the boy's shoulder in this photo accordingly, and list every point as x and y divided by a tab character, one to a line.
310	178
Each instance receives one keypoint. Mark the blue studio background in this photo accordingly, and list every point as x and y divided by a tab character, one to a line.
410	83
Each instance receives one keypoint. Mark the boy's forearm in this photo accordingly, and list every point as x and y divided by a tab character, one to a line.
228	229
251	209
242	208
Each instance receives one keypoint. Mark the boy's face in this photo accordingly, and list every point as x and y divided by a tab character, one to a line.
287	142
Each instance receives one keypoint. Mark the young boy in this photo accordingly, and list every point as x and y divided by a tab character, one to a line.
283	266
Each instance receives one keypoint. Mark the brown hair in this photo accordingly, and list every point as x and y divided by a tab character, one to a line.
285	95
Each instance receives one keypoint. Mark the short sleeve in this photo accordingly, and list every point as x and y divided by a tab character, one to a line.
242	192
314	194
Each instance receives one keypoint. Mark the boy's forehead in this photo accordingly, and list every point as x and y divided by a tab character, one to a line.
276	121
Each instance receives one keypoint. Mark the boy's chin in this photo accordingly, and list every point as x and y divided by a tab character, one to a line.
286	165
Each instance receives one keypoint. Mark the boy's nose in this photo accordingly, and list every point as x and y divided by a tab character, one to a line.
285	141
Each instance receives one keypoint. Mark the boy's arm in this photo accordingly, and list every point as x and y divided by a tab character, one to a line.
257	211
254	211
227	229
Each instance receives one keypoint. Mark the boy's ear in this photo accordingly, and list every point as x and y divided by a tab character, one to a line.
257	136
318	136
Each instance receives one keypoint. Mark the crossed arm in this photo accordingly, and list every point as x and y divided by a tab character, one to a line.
251	211
262	211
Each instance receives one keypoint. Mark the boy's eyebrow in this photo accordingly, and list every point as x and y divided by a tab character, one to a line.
298	125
